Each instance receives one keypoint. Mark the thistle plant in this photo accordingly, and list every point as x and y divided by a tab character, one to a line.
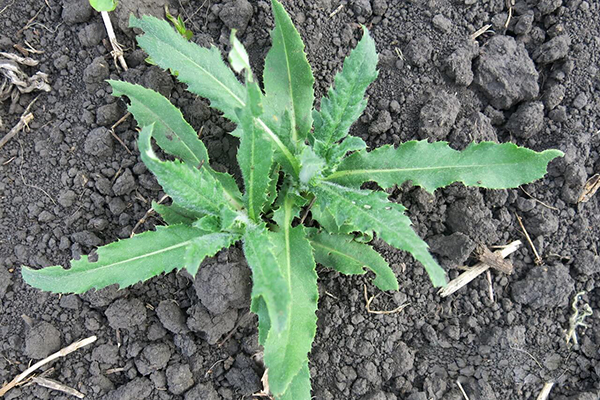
295	161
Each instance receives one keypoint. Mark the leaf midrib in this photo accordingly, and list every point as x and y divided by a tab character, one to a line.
348	172
145	255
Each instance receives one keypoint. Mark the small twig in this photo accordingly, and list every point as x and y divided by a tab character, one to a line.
114	370
25	119
337	10
312	202
114	134
368	301
539	201
145	217
545	391
54	385
230	334
462	390
61	353
480	31
529	354
472	273
490	285
538	259
510	4
210	370
117	52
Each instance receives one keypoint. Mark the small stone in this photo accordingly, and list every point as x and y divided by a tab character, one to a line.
524	23
559	114
580	101
587	263
419	50
154	357
99	143
553	50
124	184
527	120
362	8
553	96
42	340
442	23
381	124
438	116
171	316
91	35
67	198
548	6
108	114
70	301
86	238
204	391
179	378
97	71
76	12
505	73
544	286
458	64
379	7
237	14
126	313
46	216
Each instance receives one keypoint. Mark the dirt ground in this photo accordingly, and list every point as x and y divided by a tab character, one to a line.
67	185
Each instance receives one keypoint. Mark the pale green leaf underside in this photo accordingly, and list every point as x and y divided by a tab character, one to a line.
346	101
202	69
435	165
191	188
104	5
171	131
288	78
238	57
286	353
130	261
371	211
346	256
271	297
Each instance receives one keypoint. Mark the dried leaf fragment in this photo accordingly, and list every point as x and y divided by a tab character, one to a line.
589	189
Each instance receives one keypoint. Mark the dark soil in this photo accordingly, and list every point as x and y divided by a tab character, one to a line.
67	186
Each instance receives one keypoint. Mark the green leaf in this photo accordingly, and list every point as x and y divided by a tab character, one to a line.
179	24
104	5
269	283
311	165
299	388
287	76
171	131
286	353
435	165
255	155
371	211
343	254
191	188
202	69
175	214
346	100
238	57
339	151
130	261
205	73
